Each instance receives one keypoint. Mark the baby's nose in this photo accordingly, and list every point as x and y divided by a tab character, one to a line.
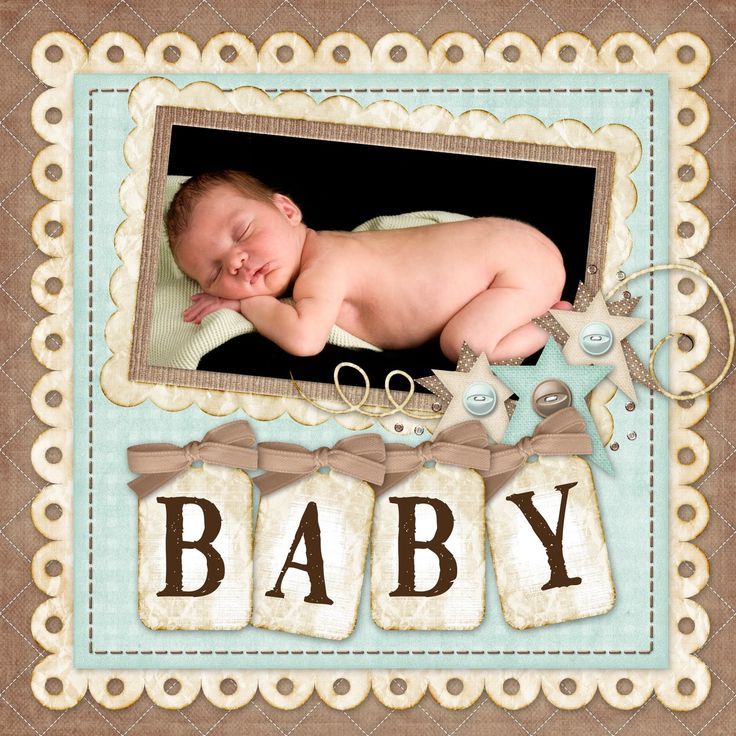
237	261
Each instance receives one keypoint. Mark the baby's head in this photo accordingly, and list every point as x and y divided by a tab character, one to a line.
235	236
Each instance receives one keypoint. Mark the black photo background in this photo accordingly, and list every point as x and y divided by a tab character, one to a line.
339	185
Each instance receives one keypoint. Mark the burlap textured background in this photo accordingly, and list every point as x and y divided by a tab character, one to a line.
22	22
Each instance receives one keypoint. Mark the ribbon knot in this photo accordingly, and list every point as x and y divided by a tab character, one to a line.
192	452
526	446
425	452
360	456
322	458
232	445
464	444
561	433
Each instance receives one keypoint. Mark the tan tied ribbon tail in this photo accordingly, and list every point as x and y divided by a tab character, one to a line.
464	444
361	456
561	433
232	444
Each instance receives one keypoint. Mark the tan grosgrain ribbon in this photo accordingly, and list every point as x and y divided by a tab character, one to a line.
361	457
464	444
561	433
231	444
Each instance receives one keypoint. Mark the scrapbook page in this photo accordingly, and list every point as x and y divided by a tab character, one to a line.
371	365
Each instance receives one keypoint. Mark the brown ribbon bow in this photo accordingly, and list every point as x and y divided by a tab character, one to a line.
561	433
464	444
361	457
231	444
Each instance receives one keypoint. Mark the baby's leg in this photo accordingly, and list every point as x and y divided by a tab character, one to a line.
497	322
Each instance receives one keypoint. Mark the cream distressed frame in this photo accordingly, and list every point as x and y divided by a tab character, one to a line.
76	58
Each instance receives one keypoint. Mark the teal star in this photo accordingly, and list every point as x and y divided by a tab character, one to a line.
581	379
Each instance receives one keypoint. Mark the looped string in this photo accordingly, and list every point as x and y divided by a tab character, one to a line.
726	313
398	406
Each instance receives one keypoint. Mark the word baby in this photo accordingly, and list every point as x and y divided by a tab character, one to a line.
427	537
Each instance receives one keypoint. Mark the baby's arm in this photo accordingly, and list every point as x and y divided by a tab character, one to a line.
204	304
302	328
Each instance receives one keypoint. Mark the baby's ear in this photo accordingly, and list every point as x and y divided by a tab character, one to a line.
287	207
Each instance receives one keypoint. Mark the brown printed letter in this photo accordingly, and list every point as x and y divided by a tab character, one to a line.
175	544
407	543
314	566
552	542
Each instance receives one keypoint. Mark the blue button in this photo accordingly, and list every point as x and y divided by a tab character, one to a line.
479	399
596	338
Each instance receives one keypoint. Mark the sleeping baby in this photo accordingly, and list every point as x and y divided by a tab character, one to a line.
476	280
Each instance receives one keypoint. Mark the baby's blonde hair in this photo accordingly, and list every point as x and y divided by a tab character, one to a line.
191	191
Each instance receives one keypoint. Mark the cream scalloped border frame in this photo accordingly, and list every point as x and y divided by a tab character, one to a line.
153	92
687	673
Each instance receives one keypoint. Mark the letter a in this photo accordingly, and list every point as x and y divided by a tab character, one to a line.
175	544
552	542
314	566
408	543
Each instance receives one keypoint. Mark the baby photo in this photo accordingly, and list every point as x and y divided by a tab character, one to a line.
282	256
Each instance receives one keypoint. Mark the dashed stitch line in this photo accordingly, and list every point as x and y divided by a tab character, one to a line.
91	649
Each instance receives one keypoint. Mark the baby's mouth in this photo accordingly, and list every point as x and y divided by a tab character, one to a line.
262	271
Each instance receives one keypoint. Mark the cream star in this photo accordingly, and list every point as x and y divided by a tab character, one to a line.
589	334
459	383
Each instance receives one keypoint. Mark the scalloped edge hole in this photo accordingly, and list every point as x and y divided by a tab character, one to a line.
53	341
53	568
53	624
228	686
568	53
511	53
398	54
172	686
53	512
454	54
625	54
54	53
686	54
284	54
53	172
172	54
115	686
53	116
398	686
54	686
53	455
228	53
115	54
341	54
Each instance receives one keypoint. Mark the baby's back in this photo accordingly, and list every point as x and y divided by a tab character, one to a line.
402	286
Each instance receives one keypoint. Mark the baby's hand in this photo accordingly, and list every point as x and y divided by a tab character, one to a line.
205	304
